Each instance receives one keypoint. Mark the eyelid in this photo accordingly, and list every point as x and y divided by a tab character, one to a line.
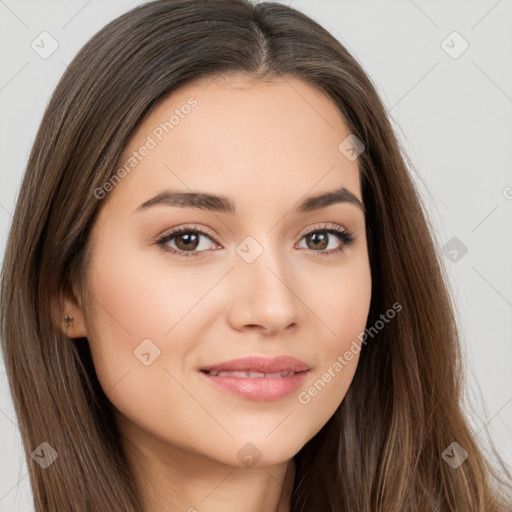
312	227
323	226
188	227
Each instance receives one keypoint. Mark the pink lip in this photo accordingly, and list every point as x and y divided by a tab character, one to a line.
260	364
259	388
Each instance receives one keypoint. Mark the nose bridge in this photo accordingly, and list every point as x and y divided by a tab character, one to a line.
262	283
263	259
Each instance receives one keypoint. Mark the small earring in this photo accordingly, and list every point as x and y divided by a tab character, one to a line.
67	320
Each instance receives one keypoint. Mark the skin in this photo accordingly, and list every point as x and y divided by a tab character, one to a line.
266	146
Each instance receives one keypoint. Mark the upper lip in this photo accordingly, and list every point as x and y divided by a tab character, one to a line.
260	364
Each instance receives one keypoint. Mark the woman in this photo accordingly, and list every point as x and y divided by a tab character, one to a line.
220	285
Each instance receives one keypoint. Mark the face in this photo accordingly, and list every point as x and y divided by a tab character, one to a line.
272	278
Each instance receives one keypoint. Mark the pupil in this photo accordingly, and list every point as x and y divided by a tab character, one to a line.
323	240
188	240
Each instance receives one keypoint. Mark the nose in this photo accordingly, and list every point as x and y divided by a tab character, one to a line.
263	296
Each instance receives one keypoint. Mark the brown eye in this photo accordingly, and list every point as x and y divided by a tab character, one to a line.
318	240
186	241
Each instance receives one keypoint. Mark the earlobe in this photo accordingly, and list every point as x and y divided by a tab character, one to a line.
67	320
73	328
69	315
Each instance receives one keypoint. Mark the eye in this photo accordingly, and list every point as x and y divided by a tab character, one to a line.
187	240
319	238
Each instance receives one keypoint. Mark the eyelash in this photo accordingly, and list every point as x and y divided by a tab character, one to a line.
343	234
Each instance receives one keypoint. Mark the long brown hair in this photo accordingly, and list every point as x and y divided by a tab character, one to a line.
382	449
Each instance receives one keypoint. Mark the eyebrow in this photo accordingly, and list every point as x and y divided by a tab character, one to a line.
223	204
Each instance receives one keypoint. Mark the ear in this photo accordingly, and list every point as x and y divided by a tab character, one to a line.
69	304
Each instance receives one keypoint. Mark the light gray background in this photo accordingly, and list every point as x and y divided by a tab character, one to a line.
453	116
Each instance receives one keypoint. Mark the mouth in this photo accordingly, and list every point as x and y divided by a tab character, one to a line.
256	378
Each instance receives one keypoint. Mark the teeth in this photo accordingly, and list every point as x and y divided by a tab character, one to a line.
253	375
256	374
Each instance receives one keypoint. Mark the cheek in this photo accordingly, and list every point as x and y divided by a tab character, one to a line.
135	296
139	305
128	304
342	302
131	309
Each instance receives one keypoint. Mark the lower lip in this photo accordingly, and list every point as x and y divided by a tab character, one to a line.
263	389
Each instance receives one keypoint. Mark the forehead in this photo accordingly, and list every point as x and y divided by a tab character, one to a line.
246	138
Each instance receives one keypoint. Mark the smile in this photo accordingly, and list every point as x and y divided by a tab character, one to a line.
252	375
